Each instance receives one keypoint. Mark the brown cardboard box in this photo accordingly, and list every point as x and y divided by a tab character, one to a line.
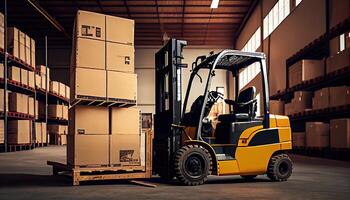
125	121
336	93
305	70
298	139
62	89
22	52
38	132
55	111
18	102
121	86
125	149
24	77
90	25
321	99
31	106
19	131
88	150
44	132
28	55
2	131
288	109
2	100
38	81
1	70
120	30
36	109
32	53
54	87
63	139
43	69
317	134
90	53
302	100
43	80
57	129
65	112
14	73
340	133
31	77
88	120
338	61
67	92
88	82
13	41
120	57
276	107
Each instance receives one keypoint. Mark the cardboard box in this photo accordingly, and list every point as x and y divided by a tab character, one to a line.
289	109
338	61
54	87
24	77
125	121
340	133
42	69
19	131
321	99
90	25
32	53
90	53
57	129
37	81
44	132
120	57
62	89
298	139
43	80
88	82
125	149
67	95
2	70
22	52
302	100
276	107
120	30
121	86
305	70
58	139
13	41
65	112
88	150
339	96
31	77
2	100
18	102
31	106
36	109
2	131
55	111
38	133
88	120
14	73
28	55
317	134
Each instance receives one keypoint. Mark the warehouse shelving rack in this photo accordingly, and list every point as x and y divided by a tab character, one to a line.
318	49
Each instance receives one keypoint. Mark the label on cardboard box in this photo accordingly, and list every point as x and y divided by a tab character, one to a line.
90	25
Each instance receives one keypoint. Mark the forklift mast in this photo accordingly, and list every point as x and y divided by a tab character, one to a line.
168	72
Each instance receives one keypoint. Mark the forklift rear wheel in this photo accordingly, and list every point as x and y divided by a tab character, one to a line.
192	165
280	167
248	177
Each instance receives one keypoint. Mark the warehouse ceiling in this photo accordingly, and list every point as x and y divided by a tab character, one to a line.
192	20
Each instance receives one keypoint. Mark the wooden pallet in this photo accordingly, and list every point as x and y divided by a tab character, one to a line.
101	101
17	115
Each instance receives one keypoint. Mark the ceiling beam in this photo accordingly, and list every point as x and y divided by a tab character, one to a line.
247	16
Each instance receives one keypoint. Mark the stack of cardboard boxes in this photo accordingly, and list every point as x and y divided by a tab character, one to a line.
21	46
103	69
302	100
58	134
2	31
305	70
40	132
60	89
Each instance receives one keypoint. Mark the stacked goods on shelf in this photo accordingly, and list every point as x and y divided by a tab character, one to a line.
2	31
2	100
21	46
298	139
340	133
317	134
58	111
60	89
321	99
339	96
19	131
276	107
58	134
103	71
302	101
40	132
102	136
305	70
42	78
338	61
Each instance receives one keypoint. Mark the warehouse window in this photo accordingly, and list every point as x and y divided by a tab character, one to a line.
250	72
276	15
342	42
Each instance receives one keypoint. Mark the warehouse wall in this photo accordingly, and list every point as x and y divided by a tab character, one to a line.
144	65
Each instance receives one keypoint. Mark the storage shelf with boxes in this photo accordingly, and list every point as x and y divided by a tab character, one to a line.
317	97
105	132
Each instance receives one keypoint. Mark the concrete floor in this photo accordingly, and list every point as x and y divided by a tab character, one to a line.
25	175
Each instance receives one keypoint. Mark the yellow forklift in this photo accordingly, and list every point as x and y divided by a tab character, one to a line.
243	144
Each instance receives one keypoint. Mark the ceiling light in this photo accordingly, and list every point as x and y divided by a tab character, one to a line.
214	4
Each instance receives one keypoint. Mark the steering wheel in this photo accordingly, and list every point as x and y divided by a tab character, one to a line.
214	96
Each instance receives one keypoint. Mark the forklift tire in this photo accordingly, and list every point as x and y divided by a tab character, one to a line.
248	177
192	165
280	167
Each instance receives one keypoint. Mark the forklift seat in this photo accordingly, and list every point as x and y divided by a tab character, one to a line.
244	109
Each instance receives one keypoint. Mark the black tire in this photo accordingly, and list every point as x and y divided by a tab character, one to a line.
192	165
280	167
249	177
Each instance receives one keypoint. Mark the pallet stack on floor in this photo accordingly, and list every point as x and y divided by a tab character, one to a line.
102	70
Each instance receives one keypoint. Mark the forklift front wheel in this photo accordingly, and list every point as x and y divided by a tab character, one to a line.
192	165
280	167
